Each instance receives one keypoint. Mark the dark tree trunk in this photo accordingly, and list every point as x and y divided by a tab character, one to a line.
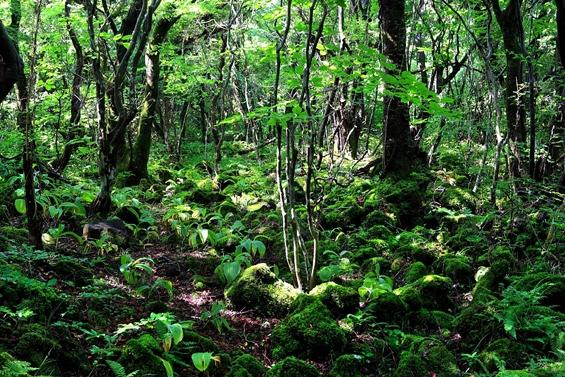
559	128
10	63
142	147
510	21
400	151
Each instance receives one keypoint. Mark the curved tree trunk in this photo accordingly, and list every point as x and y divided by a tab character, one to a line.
142	146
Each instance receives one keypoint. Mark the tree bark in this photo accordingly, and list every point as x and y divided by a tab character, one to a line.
510	21
400	151
142	146
10	63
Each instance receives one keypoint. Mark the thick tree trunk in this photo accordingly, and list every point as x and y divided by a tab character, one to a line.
510	21
556	149
142	147
10	63
400	151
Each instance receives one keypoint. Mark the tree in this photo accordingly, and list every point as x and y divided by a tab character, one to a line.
400	150
510	22
142	147
11	64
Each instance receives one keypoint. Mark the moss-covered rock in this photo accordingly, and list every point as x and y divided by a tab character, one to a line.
474	322
258	288
338	299
311	332
35	345
515	373
143	354
387	307
457	268
292	367
434	320
246	365
415	271
347	366
430	291
410	365
438	359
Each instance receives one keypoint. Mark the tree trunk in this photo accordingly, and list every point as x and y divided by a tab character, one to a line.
400	151
510	21
10	63
556	148
75	130
142	147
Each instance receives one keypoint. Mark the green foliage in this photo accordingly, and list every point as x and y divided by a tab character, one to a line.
292	367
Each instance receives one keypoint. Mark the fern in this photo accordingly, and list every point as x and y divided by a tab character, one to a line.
119	369
10	367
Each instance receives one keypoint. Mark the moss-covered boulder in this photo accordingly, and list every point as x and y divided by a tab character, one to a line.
246	366
456	267
38	346
143	354
476	321
430	291
415	271
293	367
515	373
438	359
259	289
312	332
347	366
387	307
436	320
410	365
338	299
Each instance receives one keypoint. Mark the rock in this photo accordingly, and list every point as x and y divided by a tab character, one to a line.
415	271
143	354
114	227
259	289
387	307
430	291
338	299
246	366
410	365
293	367
311	332
347	366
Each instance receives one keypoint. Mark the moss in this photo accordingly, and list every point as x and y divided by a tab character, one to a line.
505	352
387	307
338	299
247	365
457	268
434	320
34	345
410	365
474	322
143	354
458	199
550	370
198	343
438	359
72	269
430	291
347	366
415	271
311	332
515	373
292	367
258	288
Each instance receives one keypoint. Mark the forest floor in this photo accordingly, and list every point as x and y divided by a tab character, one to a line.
418	277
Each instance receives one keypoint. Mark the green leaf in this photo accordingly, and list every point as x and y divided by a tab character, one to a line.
203	235
201	360
20	205
168	368
231	271
176	331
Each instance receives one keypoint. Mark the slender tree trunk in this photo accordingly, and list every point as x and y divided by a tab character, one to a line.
556	148
75	130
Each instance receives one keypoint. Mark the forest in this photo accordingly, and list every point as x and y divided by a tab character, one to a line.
282	188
